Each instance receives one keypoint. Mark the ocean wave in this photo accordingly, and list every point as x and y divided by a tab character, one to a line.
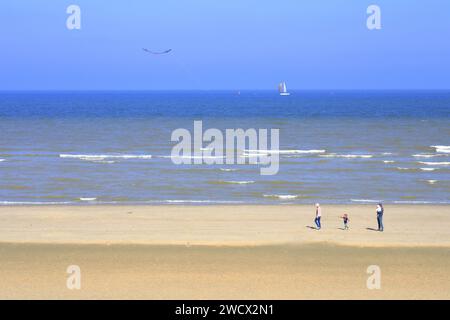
101	161
230	182
424	155
102	157
401	201
415	169
8	203
195	201
414	202
446	163
281	196
227	170
431	181
293	151
239	182
366	200
442	149
88	199
191	157
350	156
222	182
388	161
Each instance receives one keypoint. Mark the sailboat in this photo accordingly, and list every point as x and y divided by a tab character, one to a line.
282	89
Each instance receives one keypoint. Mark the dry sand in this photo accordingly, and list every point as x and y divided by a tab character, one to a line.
223	252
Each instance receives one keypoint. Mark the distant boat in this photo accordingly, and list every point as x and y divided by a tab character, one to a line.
282	89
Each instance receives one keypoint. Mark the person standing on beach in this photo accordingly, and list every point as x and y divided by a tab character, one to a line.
346	220
318	216
380	212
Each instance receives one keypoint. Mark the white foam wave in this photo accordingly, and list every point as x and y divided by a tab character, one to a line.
88	199
282	196
100	157
412	202
366	200
350	156
388	161
8	203
193	201
294	151
423	155
442	149
427	169
446	163
356	156
1	160
431	181
420	202
239	182
227	170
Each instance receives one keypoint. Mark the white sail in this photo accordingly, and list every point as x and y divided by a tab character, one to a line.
283	89
280	87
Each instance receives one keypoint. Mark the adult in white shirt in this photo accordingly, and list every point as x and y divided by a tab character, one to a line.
318	216
380	212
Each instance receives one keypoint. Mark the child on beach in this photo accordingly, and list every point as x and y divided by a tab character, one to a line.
346	220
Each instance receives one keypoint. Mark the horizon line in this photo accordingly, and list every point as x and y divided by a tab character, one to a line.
217	90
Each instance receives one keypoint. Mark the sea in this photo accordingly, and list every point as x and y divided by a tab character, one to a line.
114	147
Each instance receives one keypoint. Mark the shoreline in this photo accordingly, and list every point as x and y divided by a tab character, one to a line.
189	203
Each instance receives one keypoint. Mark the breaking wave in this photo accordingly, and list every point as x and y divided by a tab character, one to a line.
103	157
446	163
350	156
366	200
294	151
442	149
282	196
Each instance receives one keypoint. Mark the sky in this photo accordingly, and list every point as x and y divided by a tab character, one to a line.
224	44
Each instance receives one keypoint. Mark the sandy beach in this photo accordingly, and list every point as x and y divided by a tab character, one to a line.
223	252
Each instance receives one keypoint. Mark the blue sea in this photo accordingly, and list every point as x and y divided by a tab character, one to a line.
114	147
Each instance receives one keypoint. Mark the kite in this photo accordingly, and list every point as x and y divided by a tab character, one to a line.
158	52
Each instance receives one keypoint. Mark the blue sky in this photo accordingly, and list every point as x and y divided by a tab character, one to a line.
232	44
